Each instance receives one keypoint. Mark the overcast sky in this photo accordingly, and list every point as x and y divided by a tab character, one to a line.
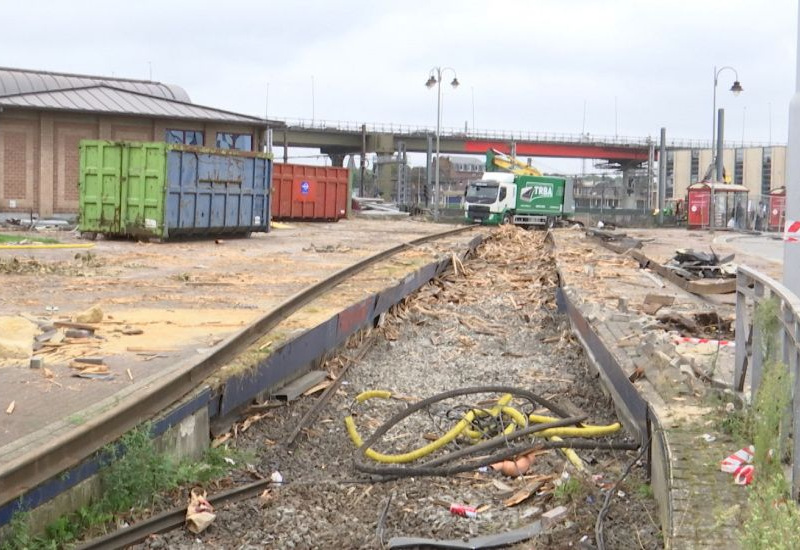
523	65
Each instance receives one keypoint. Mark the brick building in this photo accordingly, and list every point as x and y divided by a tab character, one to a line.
44	115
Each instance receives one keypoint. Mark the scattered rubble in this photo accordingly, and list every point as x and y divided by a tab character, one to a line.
692	265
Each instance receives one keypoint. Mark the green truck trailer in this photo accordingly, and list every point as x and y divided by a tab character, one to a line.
525	200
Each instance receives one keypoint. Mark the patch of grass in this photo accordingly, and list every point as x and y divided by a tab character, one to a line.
645	490
135	480
738	424
6	238
568	491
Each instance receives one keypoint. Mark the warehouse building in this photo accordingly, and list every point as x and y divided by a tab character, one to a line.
45	115
760	169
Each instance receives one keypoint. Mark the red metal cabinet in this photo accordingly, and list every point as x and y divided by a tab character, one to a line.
697	210
300	192
777	209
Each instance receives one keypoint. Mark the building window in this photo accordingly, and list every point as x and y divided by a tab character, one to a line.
240	142
738	167
187	137
766	172
695	168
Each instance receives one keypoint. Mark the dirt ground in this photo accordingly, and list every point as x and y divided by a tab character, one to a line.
494	322
160	303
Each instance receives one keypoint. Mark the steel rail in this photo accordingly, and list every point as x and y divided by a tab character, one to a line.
169	519
69	449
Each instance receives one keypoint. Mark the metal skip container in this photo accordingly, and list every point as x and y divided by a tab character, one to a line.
317	193
160	190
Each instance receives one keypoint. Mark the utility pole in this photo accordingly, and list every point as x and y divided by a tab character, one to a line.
791	248
651	157
662	175
363	156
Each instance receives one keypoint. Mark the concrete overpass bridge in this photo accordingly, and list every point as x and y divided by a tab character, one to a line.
338	139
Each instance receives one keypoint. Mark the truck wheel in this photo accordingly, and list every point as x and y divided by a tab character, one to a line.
506	219
551	222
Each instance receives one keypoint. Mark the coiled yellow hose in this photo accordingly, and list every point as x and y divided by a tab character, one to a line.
518	419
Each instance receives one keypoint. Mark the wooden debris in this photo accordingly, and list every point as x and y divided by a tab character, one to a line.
11	407
79	326
317	387
523	494
636	374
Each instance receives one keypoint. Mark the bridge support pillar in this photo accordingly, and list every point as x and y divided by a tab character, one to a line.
337	159
628	197
336	154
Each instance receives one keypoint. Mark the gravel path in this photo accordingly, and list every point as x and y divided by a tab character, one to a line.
494	322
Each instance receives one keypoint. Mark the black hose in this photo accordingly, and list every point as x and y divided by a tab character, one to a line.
510	452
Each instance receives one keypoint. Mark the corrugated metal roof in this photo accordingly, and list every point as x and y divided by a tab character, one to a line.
112	100
23	81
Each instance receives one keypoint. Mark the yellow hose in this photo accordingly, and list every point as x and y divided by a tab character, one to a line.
571	455
372	394
585	431
425	450
518	419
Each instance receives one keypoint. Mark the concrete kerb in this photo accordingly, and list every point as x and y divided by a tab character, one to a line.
205	402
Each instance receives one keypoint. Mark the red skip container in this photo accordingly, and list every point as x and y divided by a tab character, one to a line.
315	193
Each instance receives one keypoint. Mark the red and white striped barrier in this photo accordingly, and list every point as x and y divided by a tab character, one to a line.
791	232
722	343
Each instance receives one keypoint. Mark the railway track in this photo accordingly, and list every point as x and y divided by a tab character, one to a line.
49	460
317	490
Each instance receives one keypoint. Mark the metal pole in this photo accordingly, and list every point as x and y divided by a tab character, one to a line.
662	175
429	154
363	157
438	130
714	175
791	249
651	157
720	170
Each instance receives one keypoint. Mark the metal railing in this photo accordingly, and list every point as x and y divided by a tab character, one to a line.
503	135
752	289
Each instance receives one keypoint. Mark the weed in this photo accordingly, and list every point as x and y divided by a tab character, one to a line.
17	533
774	519
568	491
135	479
738	424
16	239
645	490
76	419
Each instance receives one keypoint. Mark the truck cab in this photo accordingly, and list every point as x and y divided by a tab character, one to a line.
491	200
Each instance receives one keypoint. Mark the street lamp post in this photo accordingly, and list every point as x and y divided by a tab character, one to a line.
736	88
435	79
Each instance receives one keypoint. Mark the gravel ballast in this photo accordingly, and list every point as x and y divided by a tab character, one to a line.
491	322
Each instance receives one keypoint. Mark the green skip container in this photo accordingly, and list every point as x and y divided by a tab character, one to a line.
159	190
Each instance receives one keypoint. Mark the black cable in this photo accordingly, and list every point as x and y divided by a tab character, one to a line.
598	526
